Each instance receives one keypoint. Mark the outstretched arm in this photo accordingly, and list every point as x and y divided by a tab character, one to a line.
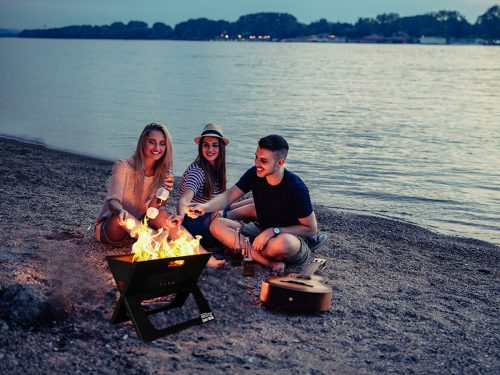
116	208
184	201
215	204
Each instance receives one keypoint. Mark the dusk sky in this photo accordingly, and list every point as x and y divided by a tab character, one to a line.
26	14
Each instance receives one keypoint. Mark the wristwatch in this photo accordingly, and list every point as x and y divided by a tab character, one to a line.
276	231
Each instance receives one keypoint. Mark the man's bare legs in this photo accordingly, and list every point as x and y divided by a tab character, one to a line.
224	230
276	250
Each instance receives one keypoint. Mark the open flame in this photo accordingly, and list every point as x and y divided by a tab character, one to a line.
153	244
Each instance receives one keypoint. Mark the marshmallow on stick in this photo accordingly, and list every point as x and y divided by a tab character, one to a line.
152	213
133	226
162	195
131	223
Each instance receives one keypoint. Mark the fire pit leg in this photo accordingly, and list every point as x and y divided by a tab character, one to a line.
142	325
130	308
147	280
205	311
120	314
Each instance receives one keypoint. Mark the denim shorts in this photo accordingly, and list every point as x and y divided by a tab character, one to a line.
253	229
102	237
201	226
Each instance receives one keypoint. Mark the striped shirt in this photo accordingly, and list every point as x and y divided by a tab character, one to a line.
194	180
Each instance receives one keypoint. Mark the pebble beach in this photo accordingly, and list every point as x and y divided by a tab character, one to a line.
405	299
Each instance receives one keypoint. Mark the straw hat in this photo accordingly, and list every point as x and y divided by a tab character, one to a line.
212	130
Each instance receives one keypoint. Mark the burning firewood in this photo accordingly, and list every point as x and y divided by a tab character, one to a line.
157	244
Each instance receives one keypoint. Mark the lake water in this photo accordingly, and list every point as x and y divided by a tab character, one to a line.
406	131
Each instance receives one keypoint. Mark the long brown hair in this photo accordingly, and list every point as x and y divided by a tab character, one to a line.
215	174
161	166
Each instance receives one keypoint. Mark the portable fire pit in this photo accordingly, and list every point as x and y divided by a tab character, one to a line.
150	279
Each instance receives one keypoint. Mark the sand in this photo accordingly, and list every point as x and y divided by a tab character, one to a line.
405	299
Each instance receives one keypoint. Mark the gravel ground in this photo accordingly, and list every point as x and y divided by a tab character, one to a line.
405	299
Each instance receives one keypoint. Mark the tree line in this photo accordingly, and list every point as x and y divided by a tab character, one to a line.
278	26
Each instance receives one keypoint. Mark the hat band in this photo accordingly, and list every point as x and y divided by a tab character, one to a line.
212	132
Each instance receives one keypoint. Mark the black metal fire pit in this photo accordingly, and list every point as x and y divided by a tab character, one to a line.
146	280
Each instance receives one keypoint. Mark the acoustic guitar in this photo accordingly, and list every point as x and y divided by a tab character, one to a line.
299	292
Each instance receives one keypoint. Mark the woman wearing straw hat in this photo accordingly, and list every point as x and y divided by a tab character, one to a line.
203	179
133	185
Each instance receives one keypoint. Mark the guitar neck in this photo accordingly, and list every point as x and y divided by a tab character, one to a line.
311	268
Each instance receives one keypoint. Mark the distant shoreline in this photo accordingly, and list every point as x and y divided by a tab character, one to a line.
292	41
441	27
33	142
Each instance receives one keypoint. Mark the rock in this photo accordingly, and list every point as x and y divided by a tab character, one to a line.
30	305
244	285
129	362
4	327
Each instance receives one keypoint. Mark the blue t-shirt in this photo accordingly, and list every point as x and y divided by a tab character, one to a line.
277	206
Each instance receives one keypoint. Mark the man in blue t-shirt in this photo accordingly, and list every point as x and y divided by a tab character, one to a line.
285	217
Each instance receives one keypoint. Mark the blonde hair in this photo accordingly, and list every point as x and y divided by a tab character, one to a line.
162	166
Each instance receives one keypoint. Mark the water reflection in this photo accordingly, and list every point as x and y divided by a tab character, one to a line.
415	135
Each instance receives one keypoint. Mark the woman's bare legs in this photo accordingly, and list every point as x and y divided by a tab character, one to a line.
114	229
244	209
243	202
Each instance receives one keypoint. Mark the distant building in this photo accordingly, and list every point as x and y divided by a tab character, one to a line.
327	38
466	41
337	39
374	38
320	38
400	39
433	40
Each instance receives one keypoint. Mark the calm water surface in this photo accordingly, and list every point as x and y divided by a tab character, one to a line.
406	131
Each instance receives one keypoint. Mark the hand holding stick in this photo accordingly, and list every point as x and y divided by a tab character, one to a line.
174	220
194	210
168	182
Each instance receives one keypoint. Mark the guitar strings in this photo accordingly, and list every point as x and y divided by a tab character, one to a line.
309	271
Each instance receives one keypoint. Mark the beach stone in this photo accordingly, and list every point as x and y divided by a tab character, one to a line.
28	305
3	325
130	362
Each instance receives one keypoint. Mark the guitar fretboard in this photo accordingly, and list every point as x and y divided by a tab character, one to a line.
311	269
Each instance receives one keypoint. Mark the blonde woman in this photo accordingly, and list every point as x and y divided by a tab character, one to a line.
134	183
133	187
